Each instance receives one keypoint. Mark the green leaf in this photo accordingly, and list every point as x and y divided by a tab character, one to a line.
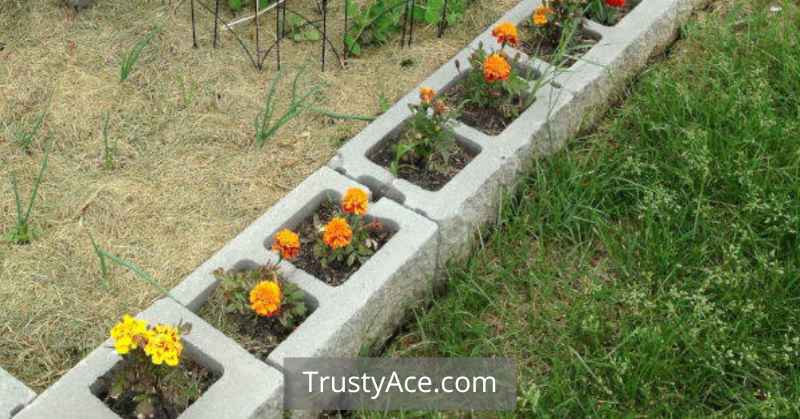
433	13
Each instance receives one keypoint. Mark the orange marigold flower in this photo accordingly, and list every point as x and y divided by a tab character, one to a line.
426	94
265	298
495	68
506	33
355	201
616	3
337	233
286	244
541	15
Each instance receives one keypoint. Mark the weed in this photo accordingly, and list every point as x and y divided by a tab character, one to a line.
132	57
22	232
109	148
300	102
24	138
103	256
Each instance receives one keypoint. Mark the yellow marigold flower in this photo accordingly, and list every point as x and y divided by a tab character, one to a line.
495	68
426	94
164	345
337	233
265	298
286	244
506	33
128	334
355	201
541	15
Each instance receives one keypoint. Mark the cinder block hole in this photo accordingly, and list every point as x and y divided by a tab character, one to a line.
420	172
230	310
310	222
490	120
196	371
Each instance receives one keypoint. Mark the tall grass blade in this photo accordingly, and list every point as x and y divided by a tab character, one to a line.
103	264
133	55
22	231
139	272
108	148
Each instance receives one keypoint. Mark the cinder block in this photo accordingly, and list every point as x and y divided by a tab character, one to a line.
361	311
253	243
248	388
13	395
365	310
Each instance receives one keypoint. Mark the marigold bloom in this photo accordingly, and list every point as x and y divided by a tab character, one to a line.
541	15
128	334
337	233
164	345
355	201
286	244
506	33
616	3
426	94
495	68
265	298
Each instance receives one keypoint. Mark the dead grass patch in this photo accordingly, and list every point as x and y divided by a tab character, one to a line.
188	177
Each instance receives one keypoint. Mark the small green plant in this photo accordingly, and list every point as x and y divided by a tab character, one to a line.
372	24
129	60
261	293
300	30
453	11
429	139
103	264
109	147
300	102
24	138
498	86
22	232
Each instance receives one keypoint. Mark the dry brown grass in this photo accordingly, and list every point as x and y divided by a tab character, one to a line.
188	178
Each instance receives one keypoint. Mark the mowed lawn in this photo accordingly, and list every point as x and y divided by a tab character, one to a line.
651	268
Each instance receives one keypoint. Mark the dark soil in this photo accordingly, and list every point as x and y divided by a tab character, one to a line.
335	273
166	406
416	171
490	121
545	49
261	335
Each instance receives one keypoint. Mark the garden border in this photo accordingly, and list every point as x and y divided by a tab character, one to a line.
432	227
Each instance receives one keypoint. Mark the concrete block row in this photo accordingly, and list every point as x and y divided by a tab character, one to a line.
430	227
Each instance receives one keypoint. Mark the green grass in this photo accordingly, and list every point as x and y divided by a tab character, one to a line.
651	268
